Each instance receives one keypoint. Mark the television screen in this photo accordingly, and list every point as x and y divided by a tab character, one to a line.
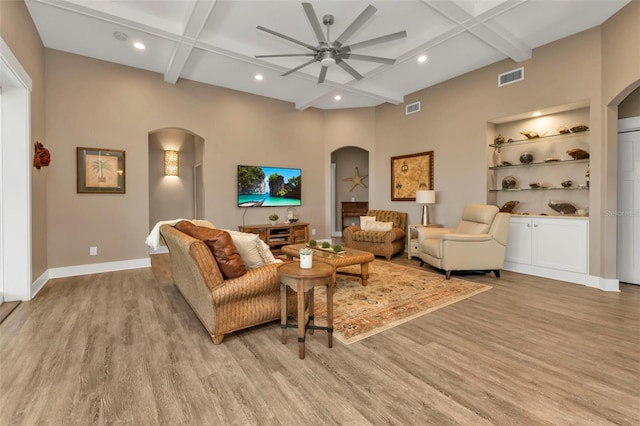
269	186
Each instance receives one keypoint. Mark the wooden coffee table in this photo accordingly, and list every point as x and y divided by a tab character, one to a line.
348	258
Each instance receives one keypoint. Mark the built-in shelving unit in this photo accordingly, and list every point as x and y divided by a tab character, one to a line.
541	180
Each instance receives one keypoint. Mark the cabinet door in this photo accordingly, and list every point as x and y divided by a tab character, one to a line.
519	242
561	244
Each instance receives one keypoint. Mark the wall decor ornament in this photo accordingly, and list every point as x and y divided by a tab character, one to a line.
356	180
410	173
41	156
100	170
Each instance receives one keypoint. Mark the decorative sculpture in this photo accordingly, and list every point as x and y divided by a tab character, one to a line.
41	157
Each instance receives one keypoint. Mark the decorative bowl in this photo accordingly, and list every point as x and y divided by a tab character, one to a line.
509	182
526	158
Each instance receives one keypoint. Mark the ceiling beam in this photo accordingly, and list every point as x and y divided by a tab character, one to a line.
198	17
498	38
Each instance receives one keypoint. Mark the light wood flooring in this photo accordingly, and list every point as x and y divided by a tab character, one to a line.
124	348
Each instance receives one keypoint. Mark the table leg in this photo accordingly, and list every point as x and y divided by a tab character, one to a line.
330	314
301	322
283	311
364	273
311	318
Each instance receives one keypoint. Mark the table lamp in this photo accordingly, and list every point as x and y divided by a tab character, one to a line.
425	198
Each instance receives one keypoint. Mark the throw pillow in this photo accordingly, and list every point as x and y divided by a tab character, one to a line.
221	246
378	226
249	248
365	219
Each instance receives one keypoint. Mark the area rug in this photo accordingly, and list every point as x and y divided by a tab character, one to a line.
394	295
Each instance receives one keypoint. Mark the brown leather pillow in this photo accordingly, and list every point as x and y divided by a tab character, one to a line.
221	246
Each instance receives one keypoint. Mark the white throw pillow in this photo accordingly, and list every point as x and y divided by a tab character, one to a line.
365	219
267	254
249	248
378	226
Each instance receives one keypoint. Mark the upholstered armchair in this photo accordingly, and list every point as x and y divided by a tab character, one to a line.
478	243
384	242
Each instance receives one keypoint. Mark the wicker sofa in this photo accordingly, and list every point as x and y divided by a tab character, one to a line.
380	243
223	306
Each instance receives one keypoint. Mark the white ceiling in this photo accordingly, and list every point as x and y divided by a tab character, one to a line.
215	42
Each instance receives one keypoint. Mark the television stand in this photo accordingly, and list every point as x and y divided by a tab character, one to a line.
279	235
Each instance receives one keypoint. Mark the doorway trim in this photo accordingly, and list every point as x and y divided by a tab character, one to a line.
15	126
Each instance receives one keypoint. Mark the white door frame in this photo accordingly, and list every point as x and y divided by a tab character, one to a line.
15	136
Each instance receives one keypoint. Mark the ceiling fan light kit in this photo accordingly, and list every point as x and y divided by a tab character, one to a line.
334	53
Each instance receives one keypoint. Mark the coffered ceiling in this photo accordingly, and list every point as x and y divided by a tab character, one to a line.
215	42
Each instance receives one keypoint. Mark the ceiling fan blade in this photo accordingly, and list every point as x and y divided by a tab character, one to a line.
292	70
323	74
355	74
315	23
368	58
371	42
285	55
293	40
355	25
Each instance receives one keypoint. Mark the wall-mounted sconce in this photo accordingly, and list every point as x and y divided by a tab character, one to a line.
171	163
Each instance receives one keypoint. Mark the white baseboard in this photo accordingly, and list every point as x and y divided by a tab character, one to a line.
92	268
603	284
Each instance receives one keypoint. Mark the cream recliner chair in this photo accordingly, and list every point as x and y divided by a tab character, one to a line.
478	243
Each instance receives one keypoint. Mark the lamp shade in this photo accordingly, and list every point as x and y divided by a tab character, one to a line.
426	197
171	163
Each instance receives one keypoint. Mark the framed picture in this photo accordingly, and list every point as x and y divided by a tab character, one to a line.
410	173
100	170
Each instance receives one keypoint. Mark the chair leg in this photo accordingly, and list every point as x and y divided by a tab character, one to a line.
497	273
421	262
448	275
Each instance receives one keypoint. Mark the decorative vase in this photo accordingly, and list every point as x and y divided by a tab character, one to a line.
306	261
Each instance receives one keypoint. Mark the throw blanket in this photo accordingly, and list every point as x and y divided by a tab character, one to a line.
153	239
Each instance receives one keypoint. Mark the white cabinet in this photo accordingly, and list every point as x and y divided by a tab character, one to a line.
553	247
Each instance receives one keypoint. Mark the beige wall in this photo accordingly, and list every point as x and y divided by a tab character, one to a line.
620	76
630	106
454	116
99	104
19	32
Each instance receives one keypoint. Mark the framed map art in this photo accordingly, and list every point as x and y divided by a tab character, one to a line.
410	173
100	170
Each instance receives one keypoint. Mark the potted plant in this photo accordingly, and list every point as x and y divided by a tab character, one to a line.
337	248
273	218
326	245
313	243
306	258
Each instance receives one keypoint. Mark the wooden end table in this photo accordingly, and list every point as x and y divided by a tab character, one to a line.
302	281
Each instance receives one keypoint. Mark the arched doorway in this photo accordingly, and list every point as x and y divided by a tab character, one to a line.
350	182
173	197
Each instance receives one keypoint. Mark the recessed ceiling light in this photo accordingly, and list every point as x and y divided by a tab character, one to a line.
119	35
259	77
138	45
422	58
337	97
537	114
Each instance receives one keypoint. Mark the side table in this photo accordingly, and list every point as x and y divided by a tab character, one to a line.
302	281
412	246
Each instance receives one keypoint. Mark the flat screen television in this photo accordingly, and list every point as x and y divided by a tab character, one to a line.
260	186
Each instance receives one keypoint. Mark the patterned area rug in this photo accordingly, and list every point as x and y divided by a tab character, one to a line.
394	295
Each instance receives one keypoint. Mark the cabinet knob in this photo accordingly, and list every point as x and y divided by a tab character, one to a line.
535	226
528	225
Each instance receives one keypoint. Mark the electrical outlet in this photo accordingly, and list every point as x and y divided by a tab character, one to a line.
313	232
93	251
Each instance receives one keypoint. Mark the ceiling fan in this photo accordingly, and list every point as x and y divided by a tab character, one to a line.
334	53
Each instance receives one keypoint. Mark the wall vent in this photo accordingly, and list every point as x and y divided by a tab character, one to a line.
411	108
511	77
